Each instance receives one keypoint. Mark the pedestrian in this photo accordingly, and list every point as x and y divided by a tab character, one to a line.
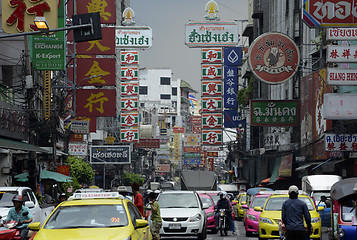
156	221
138	198
293	213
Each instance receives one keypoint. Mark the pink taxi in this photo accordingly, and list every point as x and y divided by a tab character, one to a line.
252	217
211	223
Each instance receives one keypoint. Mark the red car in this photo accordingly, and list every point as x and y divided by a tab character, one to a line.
211	222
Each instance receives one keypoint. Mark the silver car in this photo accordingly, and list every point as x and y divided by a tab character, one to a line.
183	214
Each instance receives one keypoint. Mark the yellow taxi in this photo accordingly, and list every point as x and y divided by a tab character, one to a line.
271	215
97	215
242	199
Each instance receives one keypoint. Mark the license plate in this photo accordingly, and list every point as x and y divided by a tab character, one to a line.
174	226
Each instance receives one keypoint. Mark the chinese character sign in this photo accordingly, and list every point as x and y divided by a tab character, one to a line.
211	88
230	87
212	137
18	15
211	55
341	53
105	46
129	135
106	9
211	71
96	102
342	142
129	88
96	71
212	120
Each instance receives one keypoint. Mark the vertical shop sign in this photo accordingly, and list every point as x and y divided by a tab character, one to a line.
230	87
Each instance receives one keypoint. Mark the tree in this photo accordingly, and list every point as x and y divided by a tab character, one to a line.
129	178
81	171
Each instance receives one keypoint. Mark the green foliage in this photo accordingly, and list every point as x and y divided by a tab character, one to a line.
40	199
129	178
243	95
81	171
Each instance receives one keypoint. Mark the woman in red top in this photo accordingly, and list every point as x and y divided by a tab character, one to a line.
138	200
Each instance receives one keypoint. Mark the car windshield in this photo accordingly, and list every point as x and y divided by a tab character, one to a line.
178	200
87	216
6	198
243	198
258	202
276	203
317	195
206	199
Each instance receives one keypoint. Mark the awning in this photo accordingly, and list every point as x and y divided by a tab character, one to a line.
45	174
306	166
265	180
49	150
330	161
17	145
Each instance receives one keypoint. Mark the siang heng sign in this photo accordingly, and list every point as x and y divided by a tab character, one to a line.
341	76
274	57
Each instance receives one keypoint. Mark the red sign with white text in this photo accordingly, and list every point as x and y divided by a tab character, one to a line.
96	102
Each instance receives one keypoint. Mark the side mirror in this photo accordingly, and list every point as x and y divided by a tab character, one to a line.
35	226
205	205
140	223
29	204
245	206
320	208
244	202
258	209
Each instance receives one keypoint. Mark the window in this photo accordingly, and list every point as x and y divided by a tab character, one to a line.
165	96
143	90
174	91
165	81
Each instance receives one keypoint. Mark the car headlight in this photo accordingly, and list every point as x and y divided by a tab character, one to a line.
252	217
341	233
265	220
210	214
195	218
315	220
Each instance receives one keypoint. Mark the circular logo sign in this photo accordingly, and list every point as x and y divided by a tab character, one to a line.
274	58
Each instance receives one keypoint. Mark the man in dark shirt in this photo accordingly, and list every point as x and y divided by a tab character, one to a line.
223	203
293	213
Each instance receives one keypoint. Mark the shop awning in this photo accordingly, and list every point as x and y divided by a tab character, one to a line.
17	145
330	161
306	166
45	174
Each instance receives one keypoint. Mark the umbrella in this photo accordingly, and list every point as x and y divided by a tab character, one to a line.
256	190
45	174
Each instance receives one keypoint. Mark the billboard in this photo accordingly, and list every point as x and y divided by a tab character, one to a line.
338	106
110	154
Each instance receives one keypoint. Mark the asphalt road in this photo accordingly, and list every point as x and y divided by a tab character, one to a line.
240	234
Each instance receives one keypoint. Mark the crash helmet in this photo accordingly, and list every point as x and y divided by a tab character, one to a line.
222	194
17	198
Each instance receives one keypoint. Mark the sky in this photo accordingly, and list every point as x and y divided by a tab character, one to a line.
167	19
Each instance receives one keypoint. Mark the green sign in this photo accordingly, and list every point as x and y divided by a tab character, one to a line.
192	155
274	113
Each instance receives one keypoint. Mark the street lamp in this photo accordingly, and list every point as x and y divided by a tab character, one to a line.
42	24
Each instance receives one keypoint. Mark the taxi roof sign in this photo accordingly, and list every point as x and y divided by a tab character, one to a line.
96	195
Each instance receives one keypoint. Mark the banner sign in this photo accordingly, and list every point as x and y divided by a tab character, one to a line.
340	142
343	34
340	76
147	143
341	53
132	37
233	119
129	57
105	46
274	113
230	87
215	34
129	119
129	88
192	140
286	165
129	104
233	56
274	57
129	135
110	154
178	129
96	102
196	120
129	73
162	167
211	88
211	104
211	71
107	10
327	13
96	71
80	126
212	120
212	137
48	52
77	149
339	106
192	149
211	55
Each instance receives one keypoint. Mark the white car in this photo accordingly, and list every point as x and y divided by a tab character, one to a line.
183	214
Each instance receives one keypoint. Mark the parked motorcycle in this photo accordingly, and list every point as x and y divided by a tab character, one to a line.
223	227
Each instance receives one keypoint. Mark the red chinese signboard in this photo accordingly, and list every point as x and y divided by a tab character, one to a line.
129	135
274	58
178	130
129	57
96	71
63	169
129	88
106	46
76	137
106	8
147	143
96	102
196	120
129	104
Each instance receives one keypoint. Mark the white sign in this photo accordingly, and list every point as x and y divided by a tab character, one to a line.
342	54
340	142
80	126
340	76
340	106
211	148
78	149
346	34
211	34
133	37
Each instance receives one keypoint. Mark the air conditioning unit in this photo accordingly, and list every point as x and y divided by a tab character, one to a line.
161	111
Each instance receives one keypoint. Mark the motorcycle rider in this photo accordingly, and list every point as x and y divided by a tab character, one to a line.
223	203
20	214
